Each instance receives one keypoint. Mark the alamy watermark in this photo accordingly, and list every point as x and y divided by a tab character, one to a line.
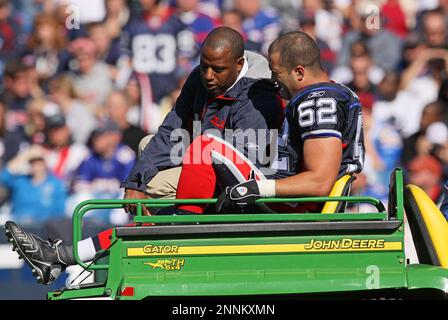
237	147
373	278
74	17
372	17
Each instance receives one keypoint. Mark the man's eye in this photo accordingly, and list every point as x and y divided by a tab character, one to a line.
218	70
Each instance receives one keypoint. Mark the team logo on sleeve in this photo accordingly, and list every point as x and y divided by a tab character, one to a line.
316	94
241	190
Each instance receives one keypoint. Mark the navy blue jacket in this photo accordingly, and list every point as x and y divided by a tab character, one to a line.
249	104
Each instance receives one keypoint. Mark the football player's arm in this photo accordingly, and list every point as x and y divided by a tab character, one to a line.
322	159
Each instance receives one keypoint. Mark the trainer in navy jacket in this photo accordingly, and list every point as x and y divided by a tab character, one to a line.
248	104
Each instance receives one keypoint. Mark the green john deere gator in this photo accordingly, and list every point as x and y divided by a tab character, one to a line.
333	253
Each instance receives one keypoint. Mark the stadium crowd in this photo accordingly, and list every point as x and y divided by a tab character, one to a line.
82	82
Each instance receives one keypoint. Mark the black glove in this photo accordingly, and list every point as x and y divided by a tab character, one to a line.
235	198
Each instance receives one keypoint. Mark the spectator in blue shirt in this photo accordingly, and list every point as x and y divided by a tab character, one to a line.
100	174
36	195
108	163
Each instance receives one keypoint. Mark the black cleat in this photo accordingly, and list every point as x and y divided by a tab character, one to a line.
47	259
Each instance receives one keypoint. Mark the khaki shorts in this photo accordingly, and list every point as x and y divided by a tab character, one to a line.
164	183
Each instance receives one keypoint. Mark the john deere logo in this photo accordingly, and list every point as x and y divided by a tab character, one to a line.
344	244
242	190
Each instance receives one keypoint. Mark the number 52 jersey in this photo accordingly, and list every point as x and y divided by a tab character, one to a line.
321	110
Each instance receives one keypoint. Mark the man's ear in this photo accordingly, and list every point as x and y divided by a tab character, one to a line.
299	72
240	64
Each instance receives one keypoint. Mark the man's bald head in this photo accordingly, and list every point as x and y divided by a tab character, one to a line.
225	38
222	59
297	48
294	60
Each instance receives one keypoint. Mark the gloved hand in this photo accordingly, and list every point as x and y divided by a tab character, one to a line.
236	197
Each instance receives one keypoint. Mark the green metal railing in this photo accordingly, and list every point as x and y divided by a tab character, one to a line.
96	204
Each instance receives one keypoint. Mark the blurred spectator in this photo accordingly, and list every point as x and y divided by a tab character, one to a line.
443	96
384	46
80	119
417	143
35	126
26	11
288	10
393	18
10	141
443	6
46	47
117	108
36	195
423	77
158	42
308	25
107	164
17	94
132	91
435	29
261	24
361	84
444	204
110	51
117	15
329	22
426	172
404	107
91	77
412	47
199	23
142	112
212	8
344	74
234	19
368	181
167	103
388	145
437	133
69	17
62	155
12	38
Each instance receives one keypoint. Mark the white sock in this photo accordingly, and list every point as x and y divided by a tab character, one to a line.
86	250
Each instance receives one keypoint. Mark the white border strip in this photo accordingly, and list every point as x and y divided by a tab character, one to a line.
323	131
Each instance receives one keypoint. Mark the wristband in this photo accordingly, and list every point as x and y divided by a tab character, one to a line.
267	188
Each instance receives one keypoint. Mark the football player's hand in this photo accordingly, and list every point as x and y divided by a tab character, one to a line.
131	208
236	197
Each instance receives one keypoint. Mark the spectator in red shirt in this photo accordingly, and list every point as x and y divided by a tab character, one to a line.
393	18
426	172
